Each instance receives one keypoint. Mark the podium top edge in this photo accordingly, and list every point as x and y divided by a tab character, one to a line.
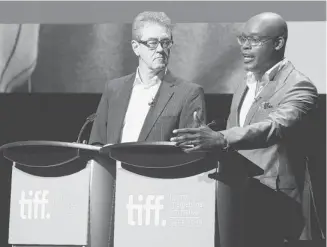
50	144
142	144
166	145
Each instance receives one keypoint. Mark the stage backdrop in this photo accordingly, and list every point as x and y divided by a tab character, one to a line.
81	58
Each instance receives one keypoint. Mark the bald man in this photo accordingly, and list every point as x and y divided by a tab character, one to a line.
268	125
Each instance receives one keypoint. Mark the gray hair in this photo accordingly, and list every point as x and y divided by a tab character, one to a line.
147	17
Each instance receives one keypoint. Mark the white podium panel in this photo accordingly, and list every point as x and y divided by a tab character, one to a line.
164	212
49	210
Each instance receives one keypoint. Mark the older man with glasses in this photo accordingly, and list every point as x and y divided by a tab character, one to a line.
150	103
268	124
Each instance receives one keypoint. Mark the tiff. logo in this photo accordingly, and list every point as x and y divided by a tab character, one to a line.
35	205
151	203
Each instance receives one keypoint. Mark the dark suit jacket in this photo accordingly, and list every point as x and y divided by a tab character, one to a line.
275	130
175	103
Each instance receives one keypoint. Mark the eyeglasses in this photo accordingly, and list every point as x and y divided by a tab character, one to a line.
153	43
253	41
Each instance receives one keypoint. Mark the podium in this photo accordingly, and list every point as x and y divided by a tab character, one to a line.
186	191
65	194
61	194
164	196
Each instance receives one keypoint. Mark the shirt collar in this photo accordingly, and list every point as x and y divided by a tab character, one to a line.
269	75
154	81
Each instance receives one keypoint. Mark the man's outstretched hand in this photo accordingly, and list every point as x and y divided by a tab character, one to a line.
198	139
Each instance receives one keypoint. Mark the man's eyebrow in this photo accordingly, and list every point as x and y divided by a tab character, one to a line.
156	39
149	39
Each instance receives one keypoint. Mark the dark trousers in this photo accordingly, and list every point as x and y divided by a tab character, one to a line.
271	217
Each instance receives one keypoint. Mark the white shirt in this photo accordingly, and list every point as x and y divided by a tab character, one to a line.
142	97
251	82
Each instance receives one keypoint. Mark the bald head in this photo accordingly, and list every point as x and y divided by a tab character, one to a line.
268	24
267	35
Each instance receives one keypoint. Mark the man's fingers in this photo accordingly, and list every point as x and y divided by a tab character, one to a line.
186	130
188	144
194	149
183	138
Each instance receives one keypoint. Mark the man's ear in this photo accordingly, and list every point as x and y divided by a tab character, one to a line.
135	47
279	43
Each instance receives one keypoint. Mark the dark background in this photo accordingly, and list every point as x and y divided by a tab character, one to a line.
82	58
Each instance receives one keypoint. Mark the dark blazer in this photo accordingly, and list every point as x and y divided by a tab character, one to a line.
275	132
174	105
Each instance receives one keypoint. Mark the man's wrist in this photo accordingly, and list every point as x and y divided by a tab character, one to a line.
226	145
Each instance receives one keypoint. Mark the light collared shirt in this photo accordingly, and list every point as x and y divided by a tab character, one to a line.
142	98
255	87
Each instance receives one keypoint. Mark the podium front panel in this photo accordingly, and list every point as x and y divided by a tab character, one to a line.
49	210
164	212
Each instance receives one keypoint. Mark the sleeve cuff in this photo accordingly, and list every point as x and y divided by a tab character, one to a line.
226	146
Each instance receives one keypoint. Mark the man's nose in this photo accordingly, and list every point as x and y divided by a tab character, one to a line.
246	45
159	47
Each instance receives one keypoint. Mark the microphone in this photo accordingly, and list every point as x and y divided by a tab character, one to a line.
151	103
89	119
256	99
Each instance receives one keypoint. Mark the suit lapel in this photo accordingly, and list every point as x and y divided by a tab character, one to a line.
269	90
240	96
164	94
283	74
117	108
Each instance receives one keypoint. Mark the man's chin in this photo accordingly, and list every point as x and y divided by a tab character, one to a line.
249	67
159	66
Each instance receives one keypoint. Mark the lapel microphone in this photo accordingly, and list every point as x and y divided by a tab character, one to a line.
151	103
256	99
